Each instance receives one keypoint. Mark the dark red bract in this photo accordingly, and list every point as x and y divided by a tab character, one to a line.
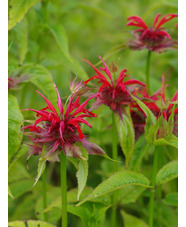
153	38
61	132
113	92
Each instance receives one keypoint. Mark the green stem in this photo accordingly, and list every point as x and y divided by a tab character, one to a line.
44	194
147	71
115	169
153	183
63	188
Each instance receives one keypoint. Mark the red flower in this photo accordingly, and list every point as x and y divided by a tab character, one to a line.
113	93
61	132
154	38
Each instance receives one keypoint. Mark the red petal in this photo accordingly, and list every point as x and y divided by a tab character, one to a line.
59	102
49	104
156	19
165	19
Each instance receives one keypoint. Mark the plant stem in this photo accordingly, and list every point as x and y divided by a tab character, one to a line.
153	183
63	188
147	71
44	194
115	169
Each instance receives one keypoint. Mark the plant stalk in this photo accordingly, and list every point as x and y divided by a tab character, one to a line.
153	183
147	71
44	193
63	188
115	169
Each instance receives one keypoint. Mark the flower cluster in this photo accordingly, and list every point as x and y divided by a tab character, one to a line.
114	93
153	38
61	132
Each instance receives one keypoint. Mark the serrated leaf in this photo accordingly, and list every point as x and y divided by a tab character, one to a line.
20	32
131	220
171	141
29	223
117	181
125	131
60	36
171	199
18	9
82	174
167	172
15	120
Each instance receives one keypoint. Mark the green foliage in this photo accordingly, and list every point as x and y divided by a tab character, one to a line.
171	199
20	32
117	181
82	174
15	121
126	134
18	9
29	223
167	172
131	220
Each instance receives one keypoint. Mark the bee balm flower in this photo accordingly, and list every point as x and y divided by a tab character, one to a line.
153	38
113	92
61	132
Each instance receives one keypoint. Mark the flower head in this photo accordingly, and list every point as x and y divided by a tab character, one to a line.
153	38
114	93
61	132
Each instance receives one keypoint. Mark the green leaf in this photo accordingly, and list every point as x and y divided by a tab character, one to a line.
60	36
125	131
171	199
20	32
18	8
41	165
167	172
129	193
117	181
82	174
29	223
15	120
150	116
41	78
23	150
17	171
131	220
91	214
20	187
139	151
172	141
